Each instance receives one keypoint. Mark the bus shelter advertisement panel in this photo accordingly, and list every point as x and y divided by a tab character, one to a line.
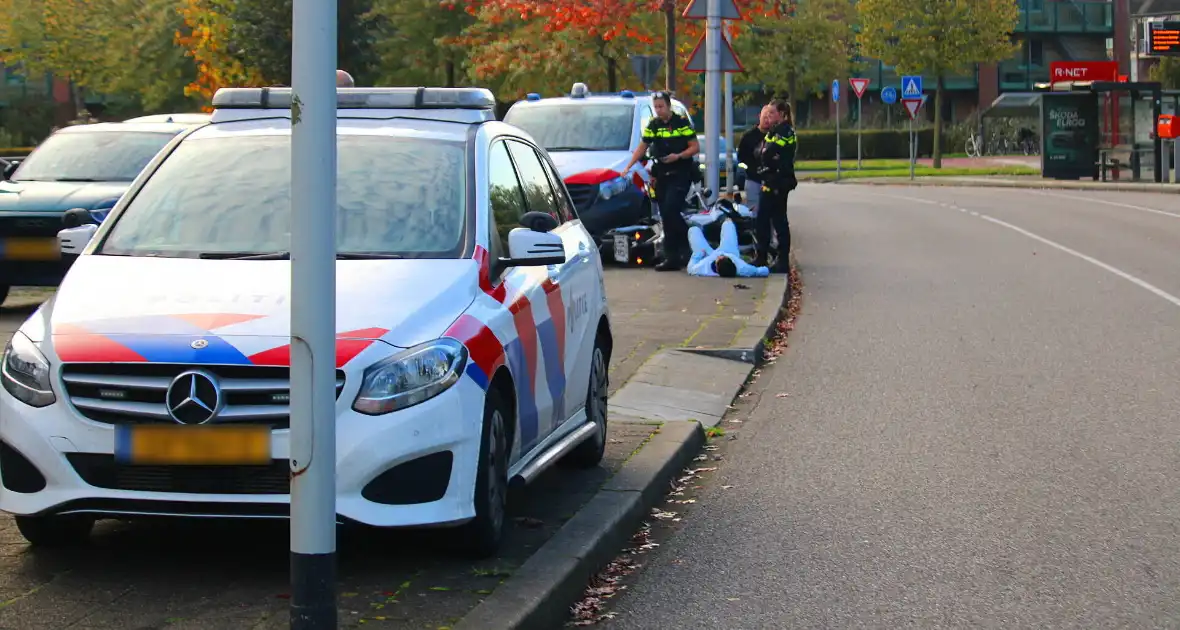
1069	131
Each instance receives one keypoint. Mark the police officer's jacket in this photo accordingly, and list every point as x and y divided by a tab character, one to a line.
776	157
665	138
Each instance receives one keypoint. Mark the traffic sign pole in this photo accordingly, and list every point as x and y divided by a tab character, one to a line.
859	85
730	176
836	100
313	316
712	95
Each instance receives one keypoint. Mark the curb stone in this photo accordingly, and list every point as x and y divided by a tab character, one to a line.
1164	189
540	592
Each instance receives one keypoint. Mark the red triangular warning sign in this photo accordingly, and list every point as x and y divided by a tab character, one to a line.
698	10
859	86
912	105
729	61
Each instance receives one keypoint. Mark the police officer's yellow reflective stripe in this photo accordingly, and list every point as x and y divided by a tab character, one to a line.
648	133
779	140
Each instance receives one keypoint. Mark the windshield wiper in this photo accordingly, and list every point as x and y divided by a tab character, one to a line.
77	179
246	255
571	149
367	256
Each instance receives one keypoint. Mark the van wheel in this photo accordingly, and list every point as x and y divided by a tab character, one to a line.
481	537
55	531
589	453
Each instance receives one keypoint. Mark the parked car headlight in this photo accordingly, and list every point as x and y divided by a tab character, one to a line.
25	372
411	377
612	187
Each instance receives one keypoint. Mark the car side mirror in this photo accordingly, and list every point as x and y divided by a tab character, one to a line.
530	248
75	217
538	221
74	240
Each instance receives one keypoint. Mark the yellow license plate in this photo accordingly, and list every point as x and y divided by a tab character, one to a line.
192	445
17	248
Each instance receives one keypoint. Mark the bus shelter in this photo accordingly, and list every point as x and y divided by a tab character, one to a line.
1101	129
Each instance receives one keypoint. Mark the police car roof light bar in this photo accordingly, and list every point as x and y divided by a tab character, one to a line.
361	98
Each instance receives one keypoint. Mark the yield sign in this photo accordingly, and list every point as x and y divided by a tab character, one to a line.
859	86
912	105
729	61
698	10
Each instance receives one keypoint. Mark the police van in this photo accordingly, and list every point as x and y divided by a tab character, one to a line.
590	138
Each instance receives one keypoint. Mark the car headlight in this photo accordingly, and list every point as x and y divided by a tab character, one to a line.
25	372
612	187
411	377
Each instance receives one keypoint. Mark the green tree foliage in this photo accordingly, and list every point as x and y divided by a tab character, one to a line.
416	42
259	36
937	39
798	48
1167	72
115	48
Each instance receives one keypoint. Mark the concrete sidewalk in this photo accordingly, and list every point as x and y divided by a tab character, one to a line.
210	576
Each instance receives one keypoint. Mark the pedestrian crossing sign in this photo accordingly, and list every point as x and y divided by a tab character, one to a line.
911	87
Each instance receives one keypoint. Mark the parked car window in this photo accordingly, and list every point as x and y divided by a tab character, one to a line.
93	156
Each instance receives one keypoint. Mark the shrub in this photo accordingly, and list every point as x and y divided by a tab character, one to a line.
820	144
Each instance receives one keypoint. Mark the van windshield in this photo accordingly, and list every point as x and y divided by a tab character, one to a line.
577	126
230	197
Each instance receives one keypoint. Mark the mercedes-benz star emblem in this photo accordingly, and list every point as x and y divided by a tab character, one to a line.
194	397
199	343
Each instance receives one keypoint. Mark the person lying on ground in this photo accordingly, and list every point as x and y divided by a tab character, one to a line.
725	261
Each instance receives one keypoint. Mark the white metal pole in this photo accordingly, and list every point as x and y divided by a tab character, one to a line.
913	149
837	140
859	109
712	96
313	316
730	175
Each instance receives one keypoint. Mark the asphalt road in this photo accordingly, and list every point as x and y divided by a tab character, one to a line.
975	425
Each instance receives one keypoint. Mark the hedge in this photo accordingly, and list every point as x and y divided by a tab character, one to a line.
820	144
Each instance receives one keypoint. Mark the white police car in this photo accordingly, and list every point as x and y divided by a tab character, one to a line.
591	138
472	353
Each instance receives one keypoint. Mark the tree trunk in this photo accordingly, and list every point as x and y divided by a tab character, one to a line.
612	75
793	85
938	122
670	45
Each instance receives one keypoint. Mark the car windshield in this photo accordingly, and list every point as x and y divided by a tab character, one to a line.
231	196
577	126
92	156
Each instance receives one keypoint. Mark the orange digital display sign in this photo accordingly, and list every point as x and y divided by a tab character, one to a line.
1165	38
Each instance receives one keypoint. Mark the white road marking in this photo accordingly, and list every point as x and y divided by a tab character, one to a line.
1116	204
1054	244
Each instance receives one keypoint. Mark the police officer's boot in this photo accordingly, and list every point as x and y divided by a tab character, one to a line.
673	261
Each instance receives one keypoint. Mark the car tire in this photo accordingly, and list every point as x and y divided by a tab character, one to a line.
590	452
55	531
4	289
481	537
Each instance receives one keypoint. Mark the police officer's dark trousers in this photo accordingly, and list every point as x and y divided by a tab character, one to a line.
670	195
772	213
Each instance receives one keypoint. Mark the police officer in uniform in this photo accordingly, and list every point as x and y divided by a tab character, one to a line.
672	142
776	158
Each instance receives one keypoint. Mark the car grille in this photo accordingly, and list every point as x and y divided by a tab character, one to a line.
103	471
34	225
583	195
135	393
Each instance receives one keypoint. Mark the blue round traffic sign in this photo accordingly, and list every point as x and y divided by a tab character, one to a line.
889	95
836	91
